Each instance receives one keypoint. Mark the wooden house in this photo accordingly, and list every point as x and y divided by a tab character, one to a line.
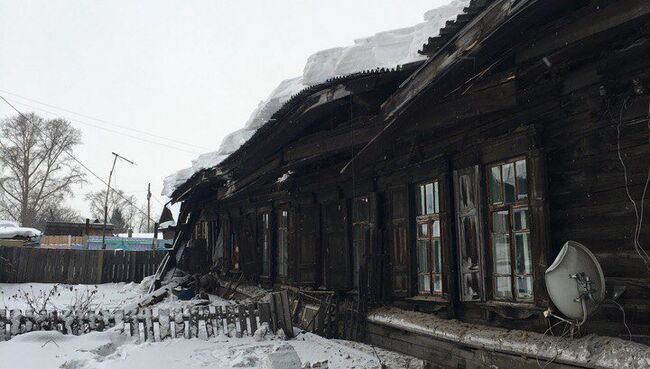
449	186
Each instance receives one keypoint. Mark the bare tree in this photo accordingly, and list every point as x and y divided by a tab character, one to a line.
36	169
57	213
117	200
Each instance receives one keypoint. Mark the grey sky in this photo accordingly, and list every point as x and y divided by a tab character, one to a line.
192	71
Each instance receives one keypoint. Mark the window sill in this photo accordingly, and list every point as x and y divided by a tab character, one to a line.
435	299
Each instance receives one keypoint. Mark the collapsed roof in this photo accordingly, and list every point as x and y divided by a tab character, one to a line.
384	50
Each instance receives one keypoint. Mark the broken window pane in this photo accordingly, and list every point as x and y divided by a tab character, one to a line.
522	182
423	230
469	244
500	222
496	196
470	286
423	256
436	228
501	244
502	288
437	283
522	256
421	200
520	219
424	283
508	177
437	257
525	287
466	193
429	197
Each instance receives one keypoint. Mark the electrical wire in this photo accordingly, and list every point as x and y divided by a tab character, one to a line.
637	212
620	307
104	121
106	129
73	157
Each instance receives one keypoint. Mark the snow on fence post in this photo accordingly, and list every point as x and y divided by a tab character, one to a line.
16	317
164	323
148	325
3	325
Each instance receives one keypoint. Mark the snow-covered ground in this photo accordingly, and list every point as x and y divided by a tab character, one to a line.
112	349
62	296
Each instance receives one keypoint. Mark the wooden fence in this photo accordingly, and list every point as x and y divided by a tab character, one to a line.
27	264
148	324
153	324
62	241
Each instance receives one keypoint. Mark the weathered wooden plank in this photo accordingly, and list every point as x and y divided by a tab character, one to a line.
252	316
265	314
594	20
335	142
241	314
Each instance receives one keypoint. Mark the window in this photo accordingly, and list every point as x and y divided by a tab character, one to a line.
512	277
282	252
429	248
469	231
265	240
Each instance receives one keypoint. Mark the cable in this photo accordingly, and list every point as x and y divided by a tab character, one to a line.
80	163
104	121
107	129
637	212
629	332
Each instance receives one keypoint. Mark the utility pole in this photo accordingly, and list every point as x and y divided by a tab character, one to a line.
148	207
108	190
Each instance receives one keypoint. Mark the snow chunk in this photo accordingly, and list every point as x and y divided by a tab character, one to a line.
10	230
283	356
387	49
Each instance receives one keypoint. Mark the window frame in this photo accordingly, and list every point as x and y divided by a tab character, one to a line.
429	220
510	207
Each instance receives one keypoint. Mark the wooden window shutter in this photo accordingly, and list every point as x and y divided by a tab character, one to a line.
375	255
336	245
248	244
539	214
398	241
308	250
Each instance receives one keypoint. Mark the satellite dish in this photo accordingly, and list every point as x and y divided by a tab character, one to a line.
575	281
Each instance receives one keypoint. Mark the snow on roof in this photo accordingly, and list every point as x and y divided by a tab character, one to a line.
10	230
387	49
136	235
